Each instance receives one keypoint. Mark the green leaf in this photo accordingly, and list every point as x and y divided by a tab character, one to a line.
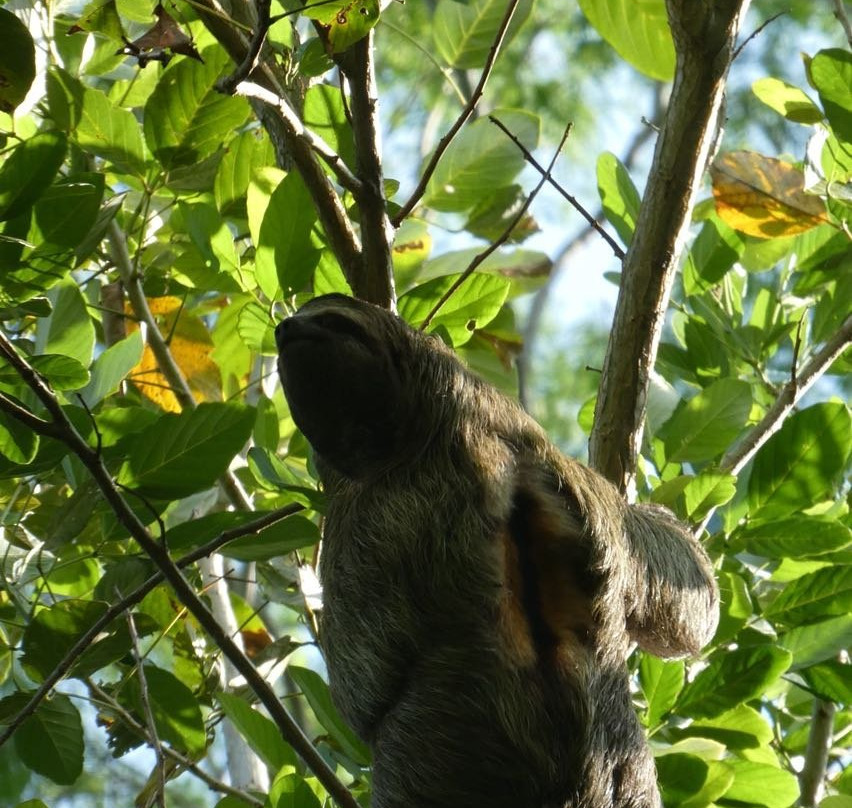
831	73
17	442
715	250
292	533
68	209
796	537
290	790
316	692
181	454
639	32
787	100
480	160
28	171
733	677
473	305
689	781
800	464
832	680
762	784
619	196
661	682
111	368
256	329
63	372
260	732
325	114
344	22
740	728
709	423
708	490
818	641
288	251
464	33
176	712
69	331
186	118
736	606
824	593
245	154
17	61
110	132
50	741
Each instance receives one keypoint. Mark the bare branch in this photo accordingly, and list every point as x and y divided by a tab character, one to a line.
572	200
704	40
466	112
504	236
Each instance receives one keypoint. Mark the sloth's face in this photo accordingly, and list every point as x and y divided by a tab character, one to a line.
344	379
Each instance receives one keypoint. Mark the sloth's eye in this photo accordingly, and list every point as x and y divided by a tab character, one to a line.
341	324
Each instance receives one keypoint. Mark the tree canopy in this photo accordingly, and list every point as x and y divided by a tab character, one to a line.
175	178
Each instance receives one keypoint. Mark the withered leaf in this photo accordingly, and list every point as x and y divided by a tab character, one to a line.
763	197
160	42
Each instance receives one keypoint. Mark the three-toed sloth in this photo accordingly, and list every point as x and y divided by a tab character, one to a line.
481	590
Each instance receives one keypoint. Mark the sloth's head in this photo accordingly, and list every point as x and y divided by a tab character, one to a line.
358	381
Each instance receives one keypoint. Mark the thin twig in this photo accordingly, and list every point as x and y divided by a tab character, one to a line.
592	221
504	236
109	703
756	32
153	736
466	112
131	599
228	84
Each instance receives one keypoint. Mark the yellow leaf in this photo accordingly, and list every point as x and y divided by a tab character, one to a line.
190	346
763	197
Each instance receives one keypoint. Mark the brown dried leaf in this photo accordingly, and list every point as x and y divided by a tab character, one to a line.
763	197
190	346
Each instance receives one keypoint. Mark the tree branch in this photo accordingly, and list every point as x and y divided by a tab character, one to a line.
704	38
182	588
816	755
466	112
376	284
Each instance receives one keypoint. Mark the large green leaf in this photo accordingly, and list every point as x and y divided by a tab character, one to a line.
17	442
762	784
689	781
832	680
473	305
176	711
111	368
181	454
288	250
733	677
619	197
464	32
17	61
260	732
817	642
821	594
795	537
110	132
69	331
316	692
709	423
277	540
800	465
639	32
661	682
480	160
28	172
50	741
831	73
740	728
186	117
